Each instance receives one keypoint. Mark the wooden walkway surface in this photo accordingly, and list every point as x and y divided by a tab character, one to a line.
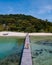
26	57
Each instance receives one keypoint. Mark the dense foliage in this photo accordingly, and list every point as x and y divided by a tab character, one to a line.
24	23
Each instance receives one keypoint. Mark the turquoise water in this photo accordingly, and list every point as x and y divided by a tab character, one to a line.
41	49
11	50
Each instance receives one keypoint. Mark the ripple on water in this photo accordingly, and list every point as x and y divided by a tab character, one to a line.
10	51
41	51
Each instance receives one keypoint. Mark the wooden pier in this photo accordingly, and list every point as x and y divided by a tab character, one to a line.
26	57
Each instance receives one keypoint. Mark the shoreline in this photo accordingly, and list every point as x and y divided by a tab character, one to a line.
9	33
40	34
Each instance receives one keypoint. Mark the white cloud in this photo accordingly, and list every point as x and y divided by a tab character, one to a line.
45	9
10	10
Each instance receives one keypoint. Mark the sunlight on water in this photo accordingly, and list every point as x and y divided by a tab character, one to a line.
41	49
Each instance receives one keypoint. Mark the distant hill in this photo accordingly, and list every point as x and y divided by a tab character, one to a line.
24	23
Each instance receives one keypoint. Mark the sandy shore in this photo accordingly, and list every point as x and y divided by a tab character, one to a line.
4	33
40	34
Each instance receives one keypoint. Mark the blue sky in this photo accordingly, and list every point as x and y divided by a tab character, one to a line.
38	8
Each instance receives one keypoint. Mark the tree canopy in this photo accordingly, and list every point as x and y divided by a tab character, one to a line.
24	23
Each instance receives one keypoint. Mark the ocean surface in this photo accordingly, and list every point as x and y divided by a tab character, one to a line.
41	50
11	50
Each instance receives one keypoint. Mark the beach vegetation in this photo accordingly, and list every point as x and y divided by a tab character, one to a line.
24	23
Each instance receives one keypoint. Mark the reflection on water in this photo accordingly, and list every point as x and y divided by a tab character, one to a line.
10	50
41	49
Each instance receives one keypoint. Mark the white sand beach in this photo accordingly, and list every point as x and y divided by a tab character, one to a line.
9	33
40	34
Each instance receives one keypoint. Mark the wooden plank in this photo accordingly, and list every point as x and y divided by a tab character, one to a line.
26	57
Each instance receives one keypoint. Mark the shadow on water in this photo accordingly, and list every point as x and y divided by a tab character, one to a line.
22	53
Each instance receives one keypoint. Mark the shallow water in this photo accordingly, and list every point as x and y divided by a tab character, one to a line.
41	49
11	50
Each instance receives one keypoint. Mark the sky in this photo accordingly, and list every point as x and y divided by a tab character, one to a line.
38	8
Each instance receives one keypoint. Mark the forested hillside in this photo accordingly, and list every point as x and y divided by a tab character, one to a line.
24	23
